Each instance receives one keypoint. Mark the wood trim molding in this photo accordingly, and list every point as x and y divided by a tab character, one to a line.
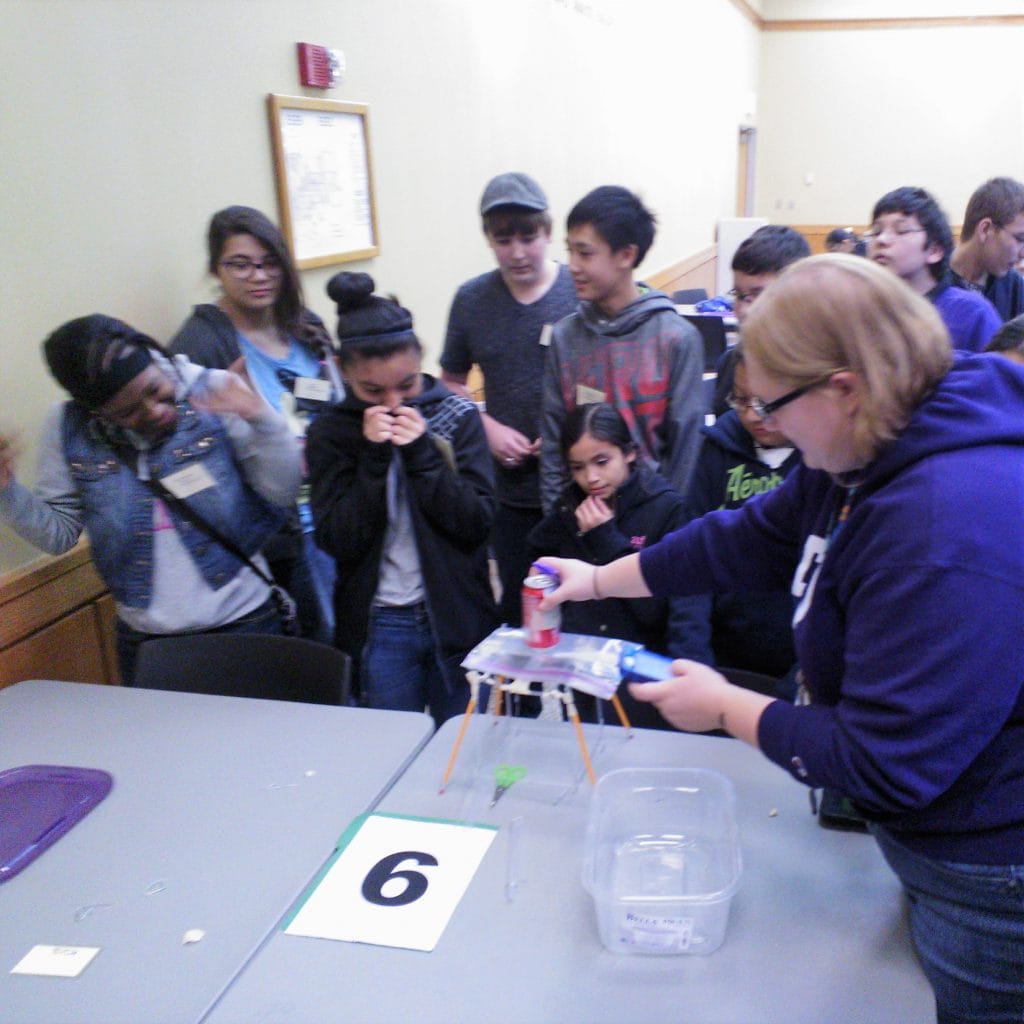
697	261
817	233
41	570
855	24
768	24
749	13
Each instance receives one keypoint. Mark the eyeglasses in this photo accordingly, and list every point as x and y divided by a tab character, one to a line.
739	402
897	232
240	269
767	409
744	297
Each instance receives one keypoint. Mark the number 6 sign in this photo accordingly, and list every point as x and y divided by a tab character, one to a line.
393	881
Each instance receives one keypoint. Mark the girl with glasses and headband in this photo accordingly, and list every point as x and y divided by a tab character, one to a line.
900	539
260	318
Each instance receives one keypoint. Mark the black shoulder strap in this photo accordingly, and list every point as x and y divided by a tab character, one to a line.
187	512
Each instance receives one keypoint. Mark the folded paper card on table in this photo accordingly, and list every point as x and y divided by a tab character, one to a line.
592	664
38	804
394	880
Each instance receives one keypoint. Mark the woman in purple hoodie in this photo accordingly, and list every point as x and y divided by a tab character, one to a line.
900	540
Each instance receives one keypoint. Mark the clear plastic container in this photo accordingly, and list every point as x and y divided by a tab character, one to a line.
662	859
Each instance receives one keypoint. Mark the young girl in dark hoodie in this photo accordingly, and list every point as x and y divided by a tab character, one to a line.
615	506
403	498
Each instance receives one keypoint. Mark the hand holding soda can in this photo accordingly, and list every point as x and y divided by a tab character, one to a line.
543	629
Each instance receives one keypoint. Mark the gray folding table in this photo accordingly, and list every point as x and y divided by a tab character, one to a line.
221	810
817	931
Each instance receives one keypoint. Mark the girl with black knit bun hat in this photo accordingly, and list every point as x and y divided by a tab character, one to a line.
403	498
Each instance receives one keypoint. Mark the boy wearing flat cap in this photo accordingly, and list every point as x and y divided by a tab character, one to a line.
502	321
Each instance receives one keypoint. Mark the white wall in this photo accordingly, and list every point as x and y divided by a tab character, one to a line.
866	111
128	122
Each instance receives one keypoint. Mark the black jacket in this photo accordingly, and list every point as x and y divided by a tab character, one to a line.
646	508
448	474
752	630
1006	293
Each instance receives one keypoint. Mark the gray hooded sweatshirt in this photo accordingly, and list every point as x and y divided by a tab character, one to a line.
648	362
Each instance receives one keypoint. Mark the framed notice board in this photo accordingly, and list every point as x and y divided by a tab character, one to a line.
324	179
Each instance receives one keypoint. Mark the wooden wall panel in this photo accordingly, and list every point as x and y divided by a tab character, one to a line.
35	607
56	622
67	649
106	616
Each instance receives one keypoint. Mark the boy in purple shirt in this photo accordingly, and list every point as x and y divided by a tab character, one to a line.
910	236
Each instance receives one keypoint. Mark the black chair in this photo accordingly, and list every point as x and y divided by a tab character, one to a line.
759	682
246	665
689	296
712	332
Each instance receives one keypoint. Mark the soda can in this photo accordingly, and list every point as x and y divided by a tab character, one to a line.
542	628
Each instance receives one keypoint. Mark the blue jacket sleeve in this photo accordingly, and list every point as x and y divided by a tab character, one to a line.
750	548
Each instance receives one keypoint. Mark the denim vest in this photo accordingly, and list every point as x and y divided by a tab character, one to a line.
117	509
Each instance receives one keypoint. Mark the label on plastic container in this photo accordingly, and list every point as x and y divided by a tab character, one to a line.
665	934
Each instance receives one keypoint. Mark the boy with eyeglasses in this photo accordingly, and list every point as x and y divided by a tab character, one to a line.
991	246
757	261
742	455
910	236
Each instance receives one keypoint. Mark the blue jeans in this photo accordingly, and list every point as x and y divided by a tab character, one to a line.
508	542
400	667
967	922
297	573
265	619
322	571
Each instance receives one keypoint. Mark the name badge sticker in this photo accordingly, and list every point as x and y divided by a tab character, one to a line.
545	335
588	396
188	481
312	388
394	881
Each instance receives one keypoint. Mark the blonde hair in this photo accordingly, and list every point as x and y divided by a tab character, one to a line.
841	311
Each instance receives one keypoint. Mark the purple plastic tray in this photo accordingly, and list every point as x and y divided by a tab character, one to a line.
38	804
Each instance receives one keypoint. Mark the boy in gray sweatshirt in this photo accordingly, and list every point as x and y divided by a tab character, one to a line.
625	344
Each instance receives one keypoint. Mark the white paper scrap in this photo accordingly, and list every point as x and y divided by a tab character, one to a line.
56	961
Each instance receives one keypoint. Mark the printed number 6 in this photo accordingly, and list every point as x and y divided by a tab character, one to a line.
384	870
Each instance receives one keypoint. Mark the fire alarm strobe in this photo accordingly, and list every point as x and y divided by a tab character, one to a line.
316	66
